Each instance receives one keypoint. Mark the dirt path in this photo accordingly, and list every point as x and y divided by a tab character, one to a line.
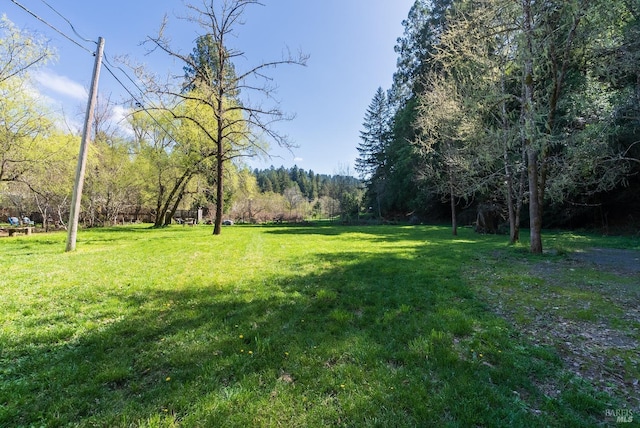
586	306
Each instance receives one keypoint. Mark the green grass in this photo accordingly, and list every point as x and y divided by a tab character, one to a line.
275	326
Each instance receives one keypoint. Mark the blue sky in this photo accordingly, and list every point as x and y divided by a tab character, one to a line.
350	43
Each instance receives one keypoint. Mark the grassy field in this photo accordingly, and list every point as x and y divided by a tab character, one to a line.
310	327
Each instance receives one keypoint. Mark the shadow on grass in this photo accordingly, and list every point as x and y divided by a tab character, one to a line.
370	339
337	229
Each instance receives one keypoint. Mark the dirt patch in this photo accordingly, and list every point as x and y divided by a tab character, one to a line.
584	305
625	262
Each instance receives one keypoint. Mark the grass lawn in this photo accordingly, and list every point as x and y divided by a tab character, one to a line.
309	327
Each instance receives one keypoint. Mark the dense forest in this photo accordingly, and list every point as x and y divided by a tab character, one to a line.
501	114
508	113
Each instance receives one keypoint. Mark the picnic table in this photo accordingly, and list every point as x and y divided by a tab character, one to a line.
186	221
16	226
26	230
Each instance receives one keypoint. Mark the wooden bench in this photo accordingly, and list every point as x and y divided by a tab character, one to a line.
13	230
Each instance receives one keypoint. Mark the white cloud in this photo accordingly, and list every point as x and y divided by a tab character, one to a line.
120	118
120	114
61	85
297	159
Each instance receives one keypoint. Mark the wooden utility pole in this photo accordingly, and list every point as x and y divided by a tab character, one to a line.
74	214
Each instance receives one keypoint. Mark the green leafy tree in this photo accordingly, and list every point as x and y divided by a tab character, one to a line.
24	120
166	162
50	181
552	39
447	129
475	58
21	51
24	125
244	191
110	181
545	45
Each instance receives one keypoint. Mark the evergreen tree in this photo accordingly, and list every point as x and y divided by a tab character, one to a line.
203	66
375	137
423	28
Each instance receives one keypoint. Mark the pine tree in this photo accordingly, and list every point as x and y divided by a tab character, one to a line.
375	137
423	27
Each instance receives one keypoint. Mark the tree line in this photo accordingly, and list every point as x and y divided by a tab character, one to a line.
312	195
310	184
527	111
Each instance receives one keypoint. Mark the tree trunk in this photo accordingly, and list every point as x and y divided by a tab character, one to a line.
159	214
217	229
514	199
454	220
174	208
45	218
535	211
520	197
220	133
178	188
513	235
514	220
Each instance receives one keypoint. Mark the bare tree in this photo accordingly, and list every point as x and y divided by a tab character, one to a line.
212	88
294	198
